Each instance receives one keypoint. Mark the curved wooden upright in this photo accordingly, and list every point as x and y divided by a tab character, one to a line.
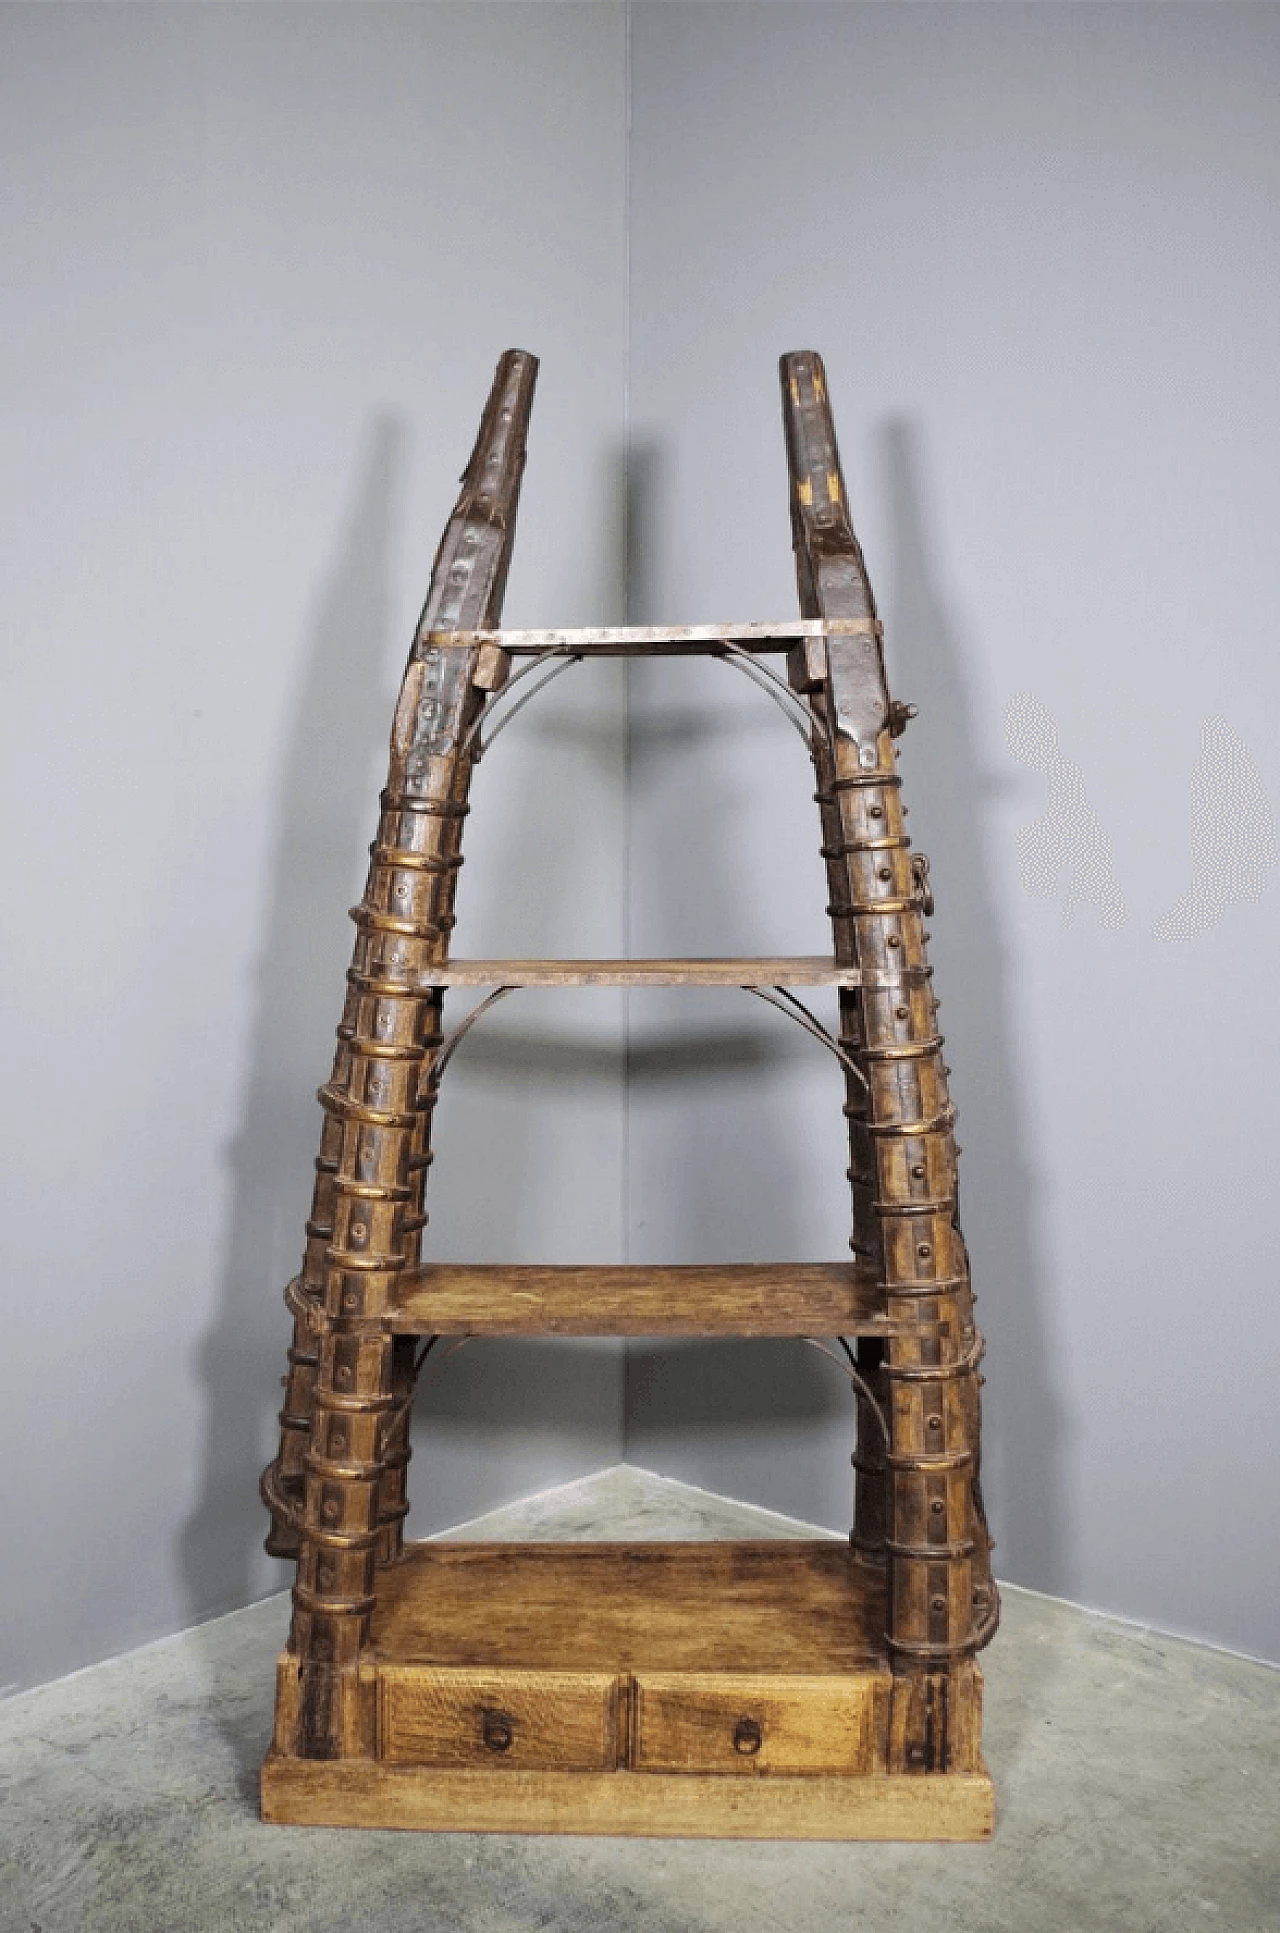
918	1497
815	1689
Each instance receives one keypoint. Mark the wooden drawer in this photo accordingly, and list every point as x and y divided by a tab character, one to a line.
429	1715
727	1722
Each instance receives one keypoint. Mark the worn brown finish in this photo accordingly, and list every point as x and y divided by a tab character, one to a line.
753	1726
812	971
516	1719
728	1299
682	1805
810	1690
919	1504
779	1606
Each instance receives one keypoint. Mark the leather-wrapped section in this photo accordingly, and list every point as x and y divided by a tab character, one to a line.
337	1488
920	1501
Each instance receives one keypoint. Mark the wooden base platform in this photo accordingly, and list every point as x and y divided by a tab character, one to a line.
730	1689
362	1792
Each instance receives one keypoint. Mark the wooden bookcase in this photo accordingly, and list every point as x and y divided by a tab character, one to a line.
748	1689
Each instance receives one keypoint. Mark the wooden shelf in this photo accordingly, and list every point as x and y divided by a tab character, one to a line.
649	640
779	1605
737	1689
802	971
733	1299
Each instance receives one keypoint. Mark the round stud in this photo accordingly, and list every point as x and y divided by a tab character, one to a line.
918	1170
924	1250
937	1603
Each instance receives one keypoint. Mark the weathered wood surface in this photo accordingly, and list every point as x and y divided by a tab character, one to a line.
775	1606
641	641
363	1792
684	1299
814	970
465	1716
755	1725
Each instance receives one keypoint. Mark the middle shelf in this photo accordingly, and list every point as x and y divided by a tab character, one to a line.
688	1299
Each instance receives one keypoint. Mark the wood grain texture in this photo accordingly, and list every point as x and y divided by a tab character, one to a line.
640	640
566	1719
728	1299
769	1607
363	1792
800	970
751	1725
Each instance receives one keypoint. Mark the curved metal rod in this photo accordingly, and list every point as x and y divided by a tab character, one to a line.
565	659
859	1381
451	1041
393	1416
786	1003
491	702
793	709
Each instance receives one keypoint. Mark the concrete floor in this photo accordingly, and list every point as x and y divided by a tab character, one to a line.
1138	1783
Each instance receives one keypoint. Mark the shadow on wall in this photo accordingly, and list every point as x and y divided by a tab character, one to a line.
324	815
945	783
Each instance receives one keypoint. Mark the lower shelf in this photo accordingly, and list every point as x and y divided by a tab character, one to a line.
735	1689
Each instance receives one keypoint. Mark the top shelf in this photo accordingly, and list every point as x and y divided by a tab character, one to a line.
812	970
655	640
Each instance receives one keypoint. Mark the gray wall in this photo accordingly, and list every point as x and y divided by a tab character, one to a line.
1039	248
259	264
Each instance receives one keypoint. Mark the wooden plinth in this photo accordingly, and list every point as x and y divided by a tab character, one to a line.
735	1690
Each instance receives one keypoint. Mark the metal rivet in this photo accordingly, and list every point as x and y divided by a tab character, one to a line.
893	940
937	1603
875	812
924	1251
747	1737
885	872
935	1422
902	1013
937	1506
359	1230
918	1170
350	1299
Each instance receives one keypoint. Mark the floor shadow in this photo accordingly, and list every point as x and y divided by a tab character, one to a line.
324	815
947	782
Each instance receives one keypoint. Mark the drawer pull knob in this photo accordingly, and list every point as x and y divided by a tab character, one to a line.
747	1737
498	1730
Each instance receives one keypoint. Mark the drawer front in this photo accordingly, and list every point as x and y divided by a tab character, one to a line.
725	1722
442	1716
